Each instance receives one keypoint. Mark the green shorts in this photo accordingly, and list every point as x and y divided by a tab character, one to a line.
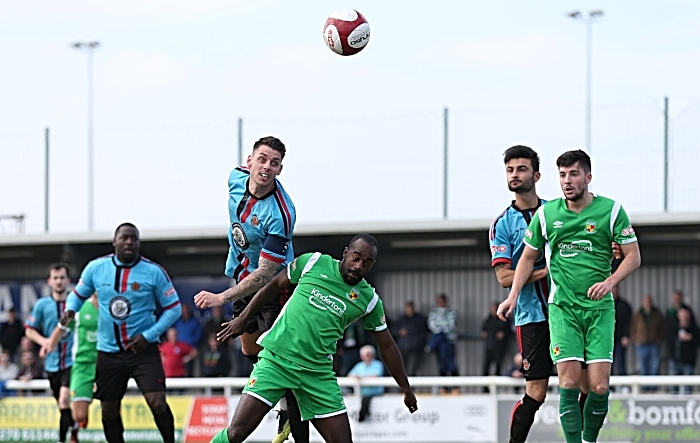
316	390
583	335
82	381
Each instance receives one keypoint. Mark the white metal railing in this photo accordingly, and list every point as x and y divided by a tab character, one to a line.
228	384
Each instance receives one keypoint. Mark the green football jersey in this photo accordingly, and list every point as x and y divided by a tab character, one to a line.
85	334
578	247
319	310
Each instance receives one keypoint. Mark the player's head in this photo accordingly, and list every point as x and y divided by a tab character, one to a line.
265	163
574	174
522	168
358	258
58	278
127	242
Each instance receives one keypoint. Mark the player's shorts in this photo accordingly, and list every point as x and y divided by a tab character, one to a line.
316	390
266	316
82	381
533	341
583	335
114	369
57	380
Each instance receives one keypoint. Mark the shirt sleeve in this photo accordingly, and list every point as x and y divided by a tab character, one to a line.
375	319
296	268
499	242
167	298
35	317
534	237
275	248
279	235
83	290
623	232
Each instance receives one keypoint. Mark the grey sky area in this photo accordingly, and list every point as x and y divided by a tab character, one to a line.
364	133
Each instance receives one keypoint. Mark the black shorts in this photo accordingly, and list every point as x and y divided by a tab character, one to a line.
267	315
57	380
533	341
114	369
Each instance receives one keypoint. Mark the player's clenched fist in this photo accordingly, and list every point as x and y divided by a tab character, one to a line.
206	299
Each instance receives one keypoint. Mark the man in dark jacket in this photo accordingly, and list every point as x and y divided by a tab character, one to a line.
623	317
496	334
671	324
412	331
686	347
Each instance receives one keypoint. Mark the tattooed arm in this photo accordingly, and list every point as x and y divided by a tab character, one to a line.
505	274
248	286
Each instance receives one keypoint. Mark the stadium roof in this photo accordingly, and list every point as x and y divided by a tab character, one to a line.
691	221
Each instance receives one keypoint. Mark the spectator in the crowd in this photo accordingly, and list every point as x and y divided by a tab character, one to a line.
496	334
27	345
677	303
215	358
514	370
175	355
8	370
411	334
11	332
686	347
623	318
442	323
348	348
190	331
647	334
242	366
216	319
30	367
368	367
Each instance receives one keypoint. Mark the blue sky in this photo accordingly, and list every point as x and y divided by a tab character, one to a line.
364	133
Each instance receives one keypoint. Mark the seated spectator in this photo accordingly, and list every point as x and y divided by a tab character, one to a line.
514	370
685	347
26	345
30	368
175	355
8	370
215	359
367	367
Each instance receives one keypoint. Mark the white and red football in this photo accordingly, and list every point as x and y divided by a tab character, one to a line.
346	32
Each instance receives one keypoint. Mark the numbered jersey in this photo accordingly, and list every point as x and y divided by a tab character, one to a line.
260	226
320	309
506	242
578	247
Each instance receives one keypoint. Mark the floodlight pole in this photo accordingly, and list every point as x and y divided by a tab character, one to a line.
444	163
592	18
89	49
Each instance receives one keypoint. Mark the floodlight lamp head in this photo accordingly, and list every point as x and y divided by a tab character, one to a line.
574	14
596	13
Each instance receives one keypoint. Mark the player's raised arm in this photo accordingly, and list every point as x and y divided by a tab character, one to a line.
522	273
392	359
236	327
56	336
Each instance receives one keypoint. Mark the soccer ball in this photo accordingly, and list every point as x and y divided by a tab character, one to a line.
346	32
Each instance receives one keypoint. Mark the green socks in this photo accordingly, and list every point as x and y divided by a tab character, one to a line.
221	437
594	413
570	414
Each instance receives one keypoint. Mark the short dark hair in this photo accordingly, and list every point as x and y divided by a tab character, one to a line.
522	151
272	143
57	267
126	225
569	158
365	238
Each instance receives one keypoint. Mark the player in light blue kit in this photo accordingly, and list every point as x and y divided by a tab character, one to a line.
129	289
38	327
262	218
532	330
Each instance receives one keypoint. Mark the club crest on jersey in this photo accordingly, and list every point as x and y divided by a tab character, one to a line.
294	265
135	286
252	381
239	236
526	364
119	307
590	226
255	221
556	350
354	293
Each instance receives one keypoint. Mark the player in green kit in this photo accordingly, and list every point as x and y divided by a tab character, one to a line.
297	351
576	233
82	377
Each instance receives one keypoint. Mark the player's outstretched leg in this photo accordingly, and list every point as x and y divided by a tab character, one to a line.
112	421
596	407
300	429
523	417
249	413
335	429
162	415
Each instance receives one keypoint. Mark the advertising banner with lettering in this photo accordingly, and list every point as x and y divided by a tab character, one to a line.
662	418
